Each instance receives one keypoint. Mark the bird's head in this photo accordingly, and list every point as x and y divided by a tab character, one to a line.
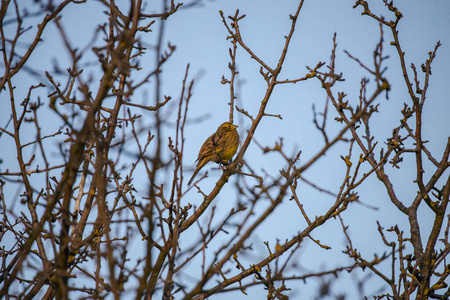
228	126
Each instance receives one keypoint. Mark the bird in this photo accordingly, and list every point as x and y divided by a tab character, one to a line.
220	147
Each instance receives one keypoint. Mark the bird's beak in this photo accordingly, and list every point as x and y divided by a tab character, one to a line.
235	126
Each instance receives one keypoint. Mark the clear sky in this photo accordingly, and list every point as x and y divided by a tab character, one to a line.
200	39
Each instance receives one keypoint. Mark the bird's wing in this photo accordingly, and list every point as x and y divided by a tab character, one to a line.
208	147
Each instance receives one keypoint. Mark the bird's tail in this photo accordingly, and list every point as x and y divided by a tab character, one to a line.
193	176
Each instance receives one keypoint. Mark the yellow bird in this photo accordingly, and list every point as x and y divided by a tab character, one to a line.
219	147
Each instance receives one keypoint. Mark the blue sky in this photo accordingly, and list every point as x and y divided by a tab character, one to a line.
200	34
200	38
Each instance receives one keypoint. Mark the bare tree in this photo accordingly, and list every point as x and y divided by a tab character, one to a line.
107	176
